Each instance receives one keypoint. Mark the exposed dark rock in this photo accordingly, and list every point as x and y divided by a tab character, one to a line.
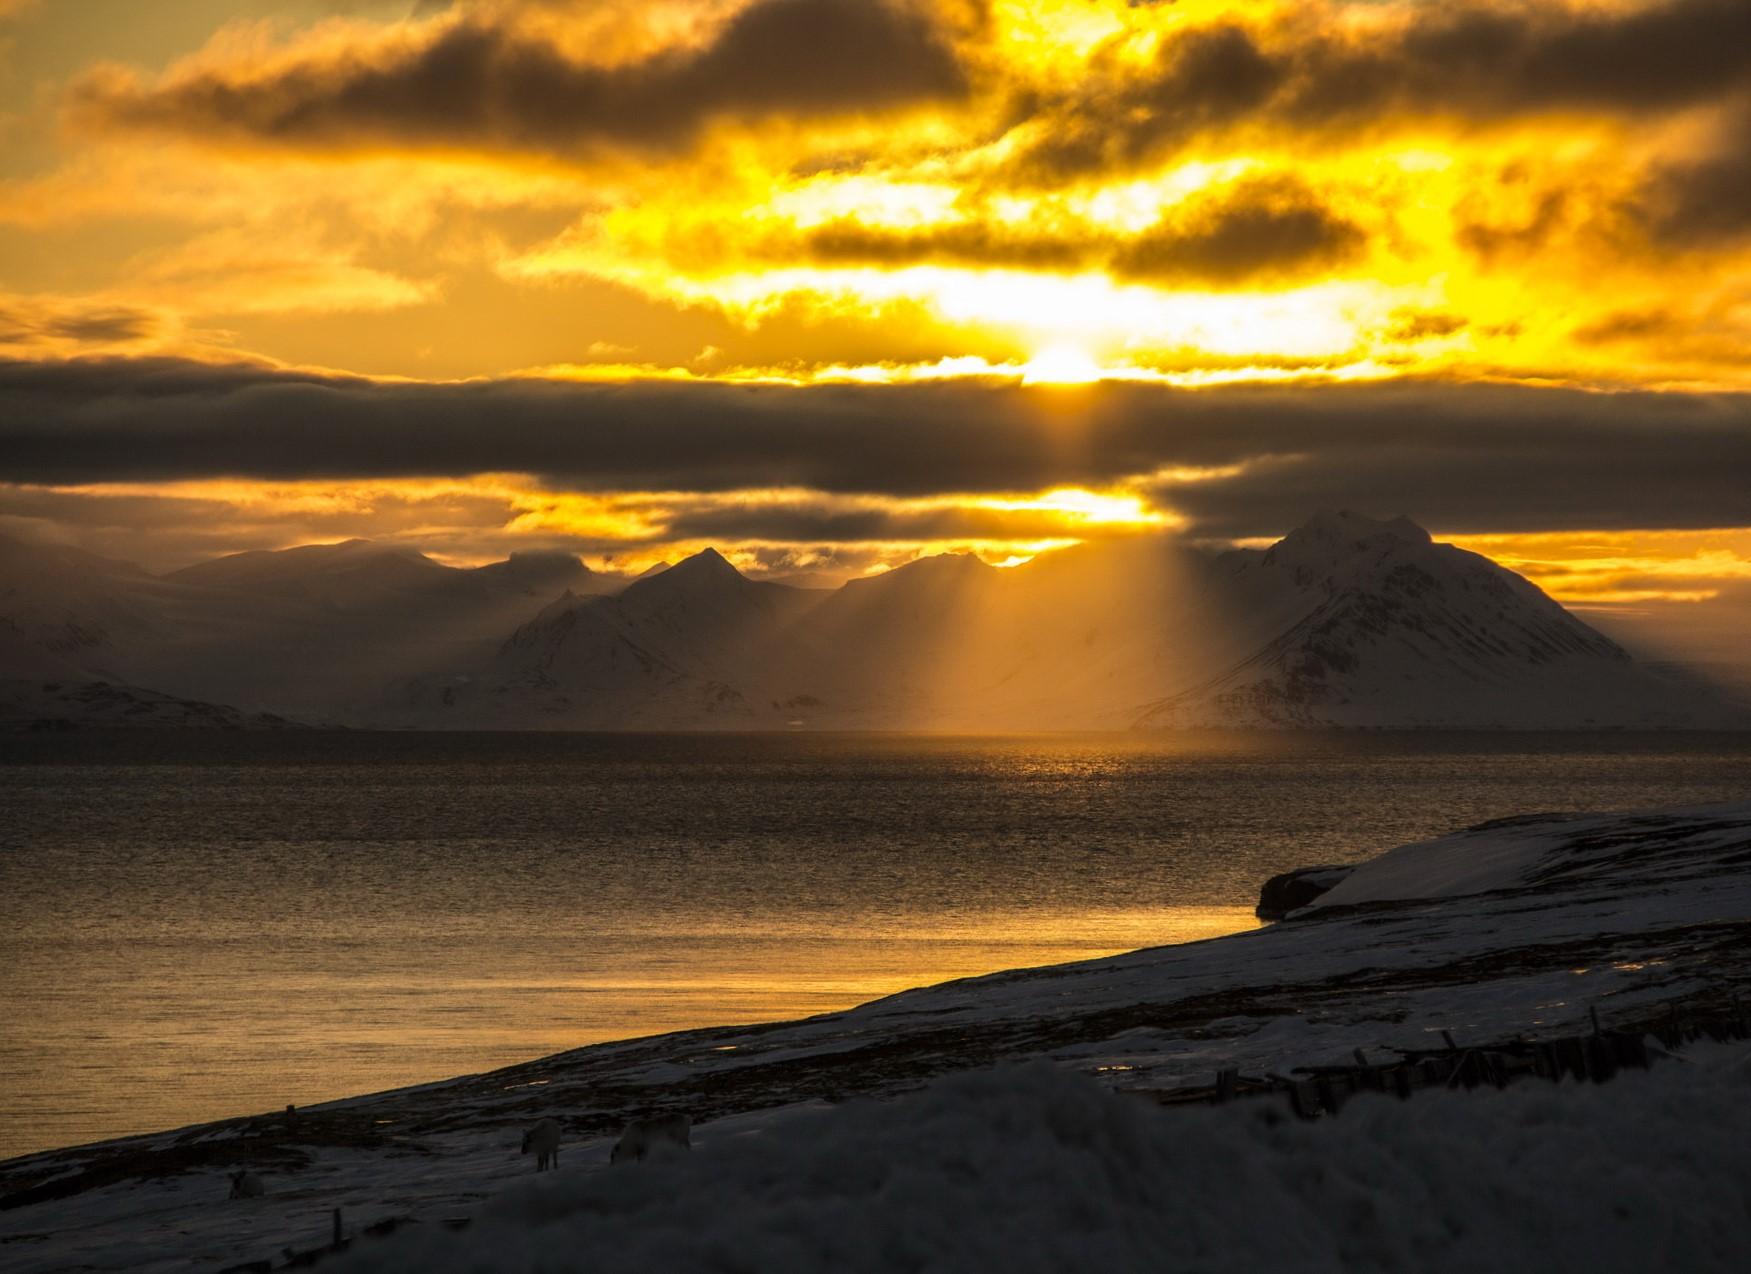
1282	894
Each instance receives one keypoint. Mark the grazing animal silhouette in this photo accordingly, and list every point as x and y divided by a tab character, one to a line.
246	1185
644	1137
543	1139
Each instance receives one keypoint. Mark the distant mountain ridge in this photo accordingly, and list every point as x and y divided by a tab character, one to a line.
1347	622
1401	630
64	705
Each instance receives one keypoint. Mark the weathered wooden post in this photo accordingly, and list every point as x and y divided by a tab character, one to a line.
1227	1082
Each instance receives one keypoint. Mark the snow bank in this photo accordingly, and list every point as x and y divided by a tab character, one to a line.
1516	853
1470	862
1521	928
1031	1168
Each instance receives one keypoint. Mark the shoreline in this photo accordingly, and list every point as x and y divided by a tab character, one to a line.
1618	914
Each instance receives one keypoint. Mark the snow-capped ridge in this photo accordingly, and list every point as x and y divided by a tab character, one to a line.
1347	622
939	570
1380	627
706	568
1329	540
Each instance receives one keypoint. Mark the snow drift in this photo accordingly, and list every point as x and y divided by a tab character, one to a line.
1033	1169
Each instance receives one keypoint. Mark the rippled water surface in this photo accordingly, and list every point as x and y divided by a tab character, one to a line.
199	925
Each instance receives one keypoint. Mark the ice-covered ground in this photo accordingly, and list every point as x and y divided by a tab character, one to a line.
1517	927
1031	1168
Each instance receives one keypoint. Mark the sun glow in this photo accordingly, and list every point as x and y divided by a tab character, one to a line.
1061	365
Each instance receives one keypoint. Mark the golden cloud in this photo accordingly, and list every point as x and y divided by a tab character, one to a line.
1206	191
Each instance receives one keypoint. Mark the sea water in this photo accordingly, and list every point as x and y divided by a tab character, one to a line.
195	925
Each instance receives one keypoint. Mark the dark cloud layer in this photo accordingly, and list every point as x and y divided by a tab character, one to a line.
822	523
848	241
1475	62
1265	227
1242	233
1464	457
33	321
488	84
1705	201
485	81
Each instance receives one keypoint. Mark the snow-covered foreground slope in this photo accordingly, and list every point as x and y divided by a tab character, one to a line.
1618	913
1031	1169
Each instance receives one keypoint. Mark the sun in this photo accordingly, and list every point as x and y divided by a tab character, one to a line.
1061	365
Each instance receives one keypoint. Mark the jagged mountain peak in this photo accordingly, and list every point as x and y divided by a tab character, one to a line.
706	571
1352	621
706	579
708	563
962	563
1376	625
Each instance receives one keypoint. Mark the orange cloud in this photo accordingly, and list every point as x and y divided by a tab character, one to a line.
487	81
1206	192
1618	567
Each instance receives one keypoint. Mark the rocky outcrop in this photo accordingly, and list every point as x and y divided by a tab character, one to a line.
1284	893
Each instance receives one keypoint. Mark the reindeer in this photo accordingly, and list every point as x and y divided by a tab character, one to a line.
543	1139
644	1137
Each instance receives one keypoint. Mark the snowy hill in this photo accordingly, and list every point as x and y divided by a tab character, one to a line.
311	632
64	612
1347	623
68	705
337	571
1383	628
678	648
1556	918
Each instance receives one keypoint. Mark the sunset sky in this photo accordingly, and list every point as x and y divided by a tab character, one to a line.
833	283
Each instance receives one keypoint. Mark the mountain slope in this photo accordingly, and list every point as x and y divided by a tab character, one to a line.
1347	622
68	705
65	612
315	631
1387	629
689	646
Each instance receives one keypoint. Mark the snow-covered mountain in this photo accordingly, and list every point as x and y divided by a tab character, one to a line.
679	648
1347	622
1378	626
67	613
309	632
65	705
